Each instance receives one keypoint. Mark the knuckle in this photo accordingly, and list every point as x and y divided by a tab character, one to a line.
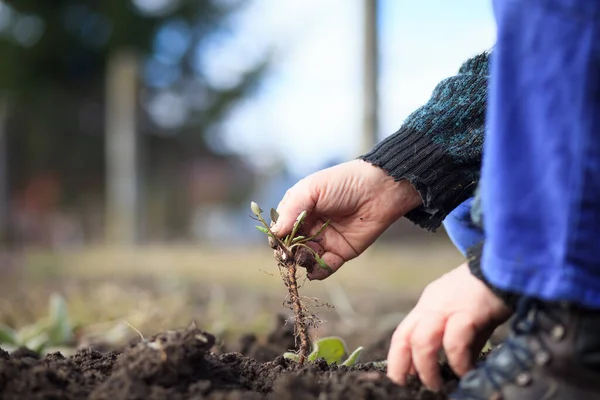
453	344
423	343
400	342
288	195
302	184
403	331
430	288
400	334
399	349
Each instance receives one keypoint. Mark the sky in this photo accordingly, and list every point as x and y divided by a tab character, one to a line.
308	111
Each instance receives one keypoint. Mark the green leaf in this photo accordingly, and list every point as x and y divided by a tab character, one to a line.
26	333
296	226
38	343
332	349
323	227
300	218
298	238
488	347
262	229
287	241
314	354
323	264
274	215
7	335
292	356
61	330
255	209
353	358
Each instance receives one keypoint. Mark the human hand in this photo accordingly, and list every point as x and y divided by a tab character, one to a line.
360	200
458	313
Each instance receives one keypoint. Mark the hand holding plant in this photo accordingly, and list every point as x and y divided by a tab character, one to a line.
360	201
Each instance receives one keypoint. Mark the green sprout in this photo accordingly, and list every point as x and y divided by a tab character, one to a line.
332	350
52	331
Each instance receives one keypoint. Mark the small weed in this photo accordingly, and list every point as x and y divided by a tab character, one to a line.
291	252
331	349
52	331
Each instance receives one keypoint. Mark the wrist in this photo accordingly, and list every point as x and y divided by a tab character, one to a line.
400	195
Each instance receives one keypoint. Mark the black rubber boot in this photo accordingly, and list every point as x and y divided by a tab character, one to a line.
552	353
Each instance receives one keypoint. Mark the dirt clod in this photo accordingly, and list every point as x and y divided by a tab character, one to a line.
179	365
304	258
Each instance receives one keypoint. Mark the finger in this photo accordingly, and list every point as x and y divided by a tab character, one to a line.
297	199
425	342
399	355
332	240
458	342
333	261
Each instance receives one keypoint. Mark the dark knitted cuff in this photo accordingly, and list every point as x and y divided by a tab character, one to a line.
438	148
474	255
442	183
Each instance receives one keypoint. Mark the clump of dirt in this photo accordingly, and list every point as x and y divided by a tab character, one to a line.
179	365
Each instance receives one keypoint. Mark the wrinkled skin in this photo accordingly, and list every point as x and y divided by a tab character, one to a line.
361	201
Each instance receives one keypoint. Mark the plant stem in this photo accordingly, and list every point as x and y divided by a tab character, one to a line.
299	323
281	245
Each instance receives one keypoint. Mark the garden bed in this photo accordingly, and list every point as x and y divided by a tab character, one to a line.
186	364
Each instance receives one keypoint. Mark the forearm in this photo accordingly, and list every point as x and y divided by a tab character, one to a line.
438	148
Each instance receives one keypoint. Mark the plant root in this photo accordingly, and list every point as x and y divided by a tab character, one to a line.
299	312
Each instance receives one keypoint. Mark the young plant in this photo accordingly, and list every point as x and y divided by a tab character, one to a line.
290	252
54	330
332	350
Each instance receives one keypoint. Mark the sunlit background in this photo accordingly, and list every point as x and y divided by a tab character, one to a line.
135	133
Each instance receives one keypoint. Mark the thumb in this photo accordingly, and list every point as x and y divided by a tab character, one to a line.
297	199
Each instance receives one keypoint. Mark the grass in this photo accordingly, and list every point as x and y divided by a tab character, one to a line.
227	291
395	268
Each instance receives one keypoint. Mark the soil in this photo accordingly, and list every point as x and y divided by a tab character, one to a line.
185	364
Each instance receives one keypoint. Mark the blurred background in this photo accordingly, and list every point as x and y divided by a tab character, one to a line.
135	133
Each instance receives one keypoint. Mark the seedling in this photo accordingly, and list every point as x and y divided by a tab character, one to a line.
290	252
54	330
332	350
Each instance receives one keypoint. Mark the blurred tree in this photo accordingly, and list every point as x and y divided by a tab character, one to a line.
54	55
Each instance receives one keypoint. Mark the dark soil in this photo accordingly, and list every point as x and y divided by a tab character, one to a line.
178	365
